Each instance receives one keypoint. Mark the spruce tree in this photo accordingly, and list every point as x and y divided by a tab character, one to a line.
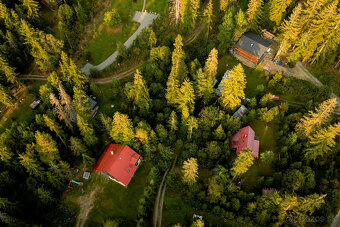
77	146
241	25
192	124
277	10
46	147
55	127
233	88
8	71
138	92
204	86
86	130
6	97
173	121
226	31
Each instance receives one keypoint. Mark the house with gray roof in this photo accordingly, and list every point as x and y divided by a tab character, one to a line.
252	47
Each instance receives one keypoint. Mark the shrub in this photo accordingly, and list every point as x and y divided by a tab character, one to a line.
95	73
112	18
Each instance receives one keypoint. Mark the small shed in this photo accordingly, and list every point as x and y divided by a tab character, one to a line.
252	47
35	104
218	90
240	112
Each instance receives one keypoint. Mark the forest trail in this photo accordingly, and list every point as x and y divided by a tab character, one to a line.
336	220
86	204
158	209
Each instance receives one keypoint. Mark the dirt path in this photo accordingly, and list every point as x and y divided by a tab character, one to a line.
86	203
158	209
336	220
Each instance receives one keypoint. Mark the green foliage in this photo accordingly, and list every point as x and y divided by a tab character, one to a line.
267	156
243	162
122	129
112	18
146	39
293	179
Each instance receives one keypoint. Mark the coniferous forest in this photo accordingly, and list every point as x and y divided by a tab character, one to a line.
177	96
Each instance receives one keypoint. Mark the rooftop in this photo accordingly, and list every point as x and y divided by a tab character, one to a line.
253	44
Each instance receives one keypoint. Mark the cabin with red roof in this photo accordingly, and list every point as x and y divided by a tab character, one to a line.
245	138
119	162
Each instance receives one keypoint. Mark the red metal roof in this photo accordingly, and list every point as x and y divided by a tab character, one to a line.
245	138
119	161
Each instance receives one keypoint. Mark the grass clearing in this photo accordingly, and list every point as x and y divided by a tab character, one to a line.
157	6
22	112
104	39
227	62
112	201
326	76
175	210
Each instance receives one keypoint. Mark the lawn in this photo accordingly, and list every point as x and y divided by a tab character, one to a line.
157	6
112	201
175	210
21	112
227	62
267	142
104	39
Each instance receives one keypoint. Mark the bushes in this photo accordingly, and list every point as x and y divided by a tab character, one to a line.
112	18
95	73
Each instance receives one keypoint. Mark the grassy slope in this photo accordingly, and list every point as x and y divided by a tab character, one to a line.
113	201
327	76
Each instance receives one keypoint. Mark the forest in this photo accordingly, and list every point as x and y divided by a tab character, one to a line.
161	100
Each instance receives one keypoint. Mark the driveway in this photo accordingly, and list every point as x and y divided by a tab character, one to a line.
145	19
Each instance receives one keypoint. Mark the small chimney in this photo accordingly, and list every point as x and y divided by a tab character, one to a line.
112	152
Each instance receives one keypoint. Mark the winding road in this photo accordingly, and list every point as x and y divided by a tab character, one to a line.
145	19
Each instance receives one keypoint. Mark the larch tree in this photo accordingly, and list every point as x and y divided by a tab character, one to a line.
86	130
322	142
81	103
241	25
173	121
45	49
122	129
208	13
204	86
190	169
211	64
32	8
186	99
8	71
192	123
243	162
189	13
60	110
55	127
46	147
106	121
29	162
254	12
71	73
314	119
138	92
6	97
175	10
290	30
225	3
66	101
277	9
178	72
233	88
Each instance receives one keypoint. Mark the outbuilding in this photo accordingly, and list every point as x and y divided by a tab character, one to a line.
252	47
119	163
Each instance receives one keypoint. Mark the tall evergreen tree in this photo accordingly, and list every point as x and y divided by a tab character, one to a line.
60	110
254	12
314	119
71	73
29	162
204	86
225	3
233	88
290	30
138	92
226	31
192	124
208	13
243	162
86	130
122	129
173	121
46	147
6	97
55	127
190	168
211	64
66	101
277	10
186	99
322	142
32	8
241	25
77	146
8	71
